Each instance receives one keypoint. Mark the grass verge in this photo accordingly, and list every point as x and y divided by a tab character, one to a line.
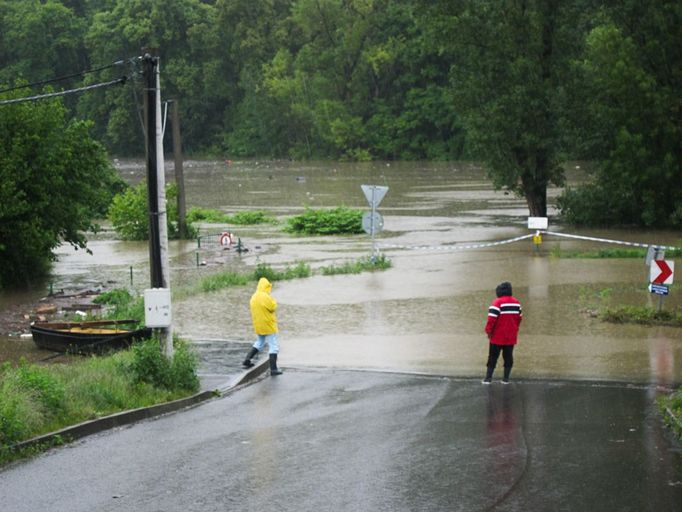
35	399
671	409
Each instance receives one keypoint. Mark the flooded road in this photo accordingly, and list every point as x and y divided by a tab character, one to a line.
426	313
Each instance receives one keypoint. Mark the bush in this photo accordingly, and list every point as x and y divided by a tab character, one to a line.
124	305
151	366
197	214
339	220
129	213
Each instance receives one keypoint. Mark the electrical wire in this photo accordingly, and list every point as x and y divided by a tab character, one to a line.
58	79
121	80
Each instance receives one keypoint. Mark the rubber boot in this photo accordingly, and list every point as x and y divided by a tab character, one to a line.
507	371
273	365
247	362
488	375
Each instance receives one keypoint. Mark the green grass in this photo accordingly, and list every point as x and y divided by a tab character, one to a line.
642	315
557	252
671	408
35	399
356	267
227	279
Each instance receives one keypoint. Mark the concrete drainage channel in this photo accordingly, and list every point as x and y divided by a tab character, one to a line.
120	419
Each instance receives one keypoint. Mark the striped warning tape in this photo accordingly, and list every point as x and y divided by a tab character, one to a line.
518	238
453	247
606	240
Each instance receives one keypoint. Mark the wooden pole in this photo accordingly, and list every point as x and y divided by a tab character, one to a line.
179	175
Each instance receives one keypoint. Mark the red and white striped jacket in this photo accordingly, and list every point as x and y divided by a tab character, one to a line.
504	319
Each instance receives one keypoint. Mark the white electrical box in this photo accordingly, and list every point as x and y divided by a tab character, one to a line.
157	307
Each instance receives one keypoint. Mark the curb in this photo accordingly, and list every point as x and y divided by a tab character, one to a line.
120	419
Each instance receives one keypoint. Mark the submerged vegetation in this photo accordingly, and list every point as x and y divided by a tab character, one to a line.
35	399
368	263
244	218
335	221
644	315
557	252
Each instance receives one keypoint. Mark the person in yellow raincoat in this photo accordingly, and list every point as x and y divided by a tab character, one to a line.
263	306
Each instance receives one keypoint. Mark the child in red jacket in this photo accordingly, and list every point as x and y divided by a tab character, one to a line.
502	328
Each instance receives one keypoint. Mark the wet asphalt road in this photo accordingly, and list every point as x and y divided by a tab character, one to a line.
342	440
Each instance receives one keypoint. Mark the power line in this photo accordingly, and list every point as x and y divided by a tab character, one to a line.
121	80
58	79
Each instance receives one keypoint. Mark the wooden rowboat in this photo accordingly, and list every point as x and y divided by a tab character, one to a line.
87	337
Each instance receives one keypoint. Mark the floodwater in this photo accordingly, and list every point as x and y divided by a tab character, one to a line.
426	313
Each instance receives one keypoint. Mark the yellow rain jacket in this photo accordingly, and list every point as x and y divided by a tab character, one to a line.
263	307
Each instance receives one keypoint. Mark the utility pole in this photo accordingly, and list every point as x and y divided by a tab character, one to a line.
156	188
179	176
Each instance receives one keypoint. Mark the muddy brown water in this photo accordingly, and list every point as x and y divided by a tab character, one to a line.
426	313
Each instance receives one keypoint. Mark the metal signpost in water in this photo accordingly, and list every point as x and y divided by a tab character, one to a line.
373	222
661	274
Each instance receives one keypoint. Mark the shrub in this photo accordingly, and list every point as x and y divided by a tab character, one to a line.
197	214
124	305
151	366
254	217
129	213
339	220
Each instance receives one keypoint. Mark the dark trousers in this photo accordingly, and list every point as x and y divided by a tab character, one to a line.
494	354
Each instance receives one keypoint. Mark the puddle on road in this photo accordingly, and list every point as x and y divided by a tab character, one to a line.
426	314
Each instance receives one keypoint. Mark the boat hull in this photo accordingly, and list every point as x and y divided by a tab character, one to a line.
84	338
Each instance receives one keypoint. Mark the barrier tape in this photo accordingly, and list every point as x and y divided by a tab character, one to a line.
518	238
454	247
606	240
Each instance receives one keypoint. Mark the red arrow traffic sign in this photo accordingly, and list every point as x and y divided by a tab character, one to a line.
661	272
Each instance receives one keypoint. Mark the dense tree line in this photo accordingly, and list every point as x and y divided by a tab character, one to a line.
522	85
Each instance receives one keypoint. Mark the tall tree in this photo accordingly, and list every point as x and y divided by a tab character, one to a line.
54	179
631	77
511	62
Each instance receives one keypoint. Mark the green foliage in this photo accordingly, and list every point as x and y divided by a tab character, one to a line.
254	217
368	263
197	214
513	67
124	306
226	279
301	269
129	213
54	180
557	252
671	409
38	399
630	74
334	221
149	365
642	315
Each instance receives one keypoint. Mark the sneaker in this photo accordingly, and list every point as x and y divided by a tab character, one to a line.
247	364
505	381
485	381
